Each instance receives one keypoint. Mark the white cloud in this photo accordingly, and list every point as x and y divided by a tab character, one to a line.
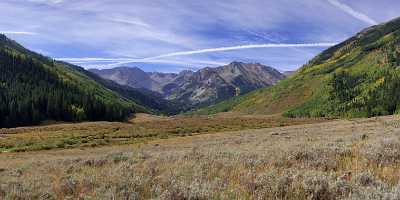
114	62
47	1
356	14
94	59
200	51
105	63
135	22
18	32
121	61
145	29
251	46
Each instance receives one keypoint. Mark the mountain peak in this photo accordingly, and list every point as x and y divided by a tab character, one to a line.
5	41
243	63
3	37
185	72
236	63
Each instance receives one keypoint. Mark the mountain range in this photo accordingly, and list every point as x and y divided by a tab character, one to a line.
359	77
203	87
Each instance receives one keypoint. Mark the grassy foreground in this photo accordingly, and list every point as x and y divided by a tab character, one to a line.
144	128
357	159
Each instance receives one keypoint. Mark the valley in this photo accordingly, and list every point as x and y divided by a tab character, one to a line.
141	129
198	100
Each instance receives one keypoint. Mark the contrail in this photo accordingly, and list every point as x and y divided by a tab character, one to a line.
95	59
251	46
18	32
118	61
356	14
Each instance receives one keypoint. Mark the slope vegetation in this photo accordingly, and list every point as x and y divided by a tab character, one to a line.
146	100
34	88
356	78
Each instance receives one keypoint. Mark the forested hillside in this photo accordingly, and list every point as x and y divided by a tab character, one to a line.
148	100
359	77
34	88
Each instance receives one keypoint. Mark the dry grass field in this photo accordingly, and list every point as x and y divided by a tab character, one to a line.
141	129
340	159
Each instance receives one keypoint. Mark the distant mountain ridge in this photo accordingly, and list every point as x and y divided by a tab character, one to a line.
202	87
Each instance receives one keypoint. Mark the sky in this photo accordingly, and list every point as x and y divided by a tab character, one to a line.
176	35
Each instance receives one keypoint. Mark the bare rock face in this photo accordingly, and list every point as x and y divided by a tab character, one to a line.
130	76
203	87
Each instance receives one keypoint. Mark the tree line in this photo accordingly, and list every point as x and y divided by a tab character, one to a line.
31	93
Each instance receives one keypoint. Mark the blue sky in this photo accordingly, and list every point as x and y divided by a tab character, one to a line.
173	35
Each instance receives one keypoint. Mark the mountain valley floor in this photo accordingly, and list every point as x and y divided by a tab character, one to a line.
337	159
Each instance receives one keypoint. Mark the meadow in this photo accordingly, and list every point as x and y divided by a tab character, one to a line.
338	159
141	129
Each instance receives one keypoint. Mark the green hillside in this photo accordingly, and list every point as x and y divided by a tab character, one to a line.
146	100
34	88
357	78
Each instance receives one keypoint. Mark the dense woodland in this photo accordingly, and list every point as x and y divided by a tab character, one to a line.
148	101
361	76
369	94
31	92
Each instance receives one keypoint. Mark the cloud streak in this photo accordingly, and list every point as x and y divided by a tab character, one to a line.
134	22
112	29
200	51
356	14
113	62
240	47
47	1
120	61
105	63
18	32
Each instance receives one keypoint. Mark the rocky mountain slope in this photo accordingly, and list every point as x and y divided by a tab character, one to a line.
203	87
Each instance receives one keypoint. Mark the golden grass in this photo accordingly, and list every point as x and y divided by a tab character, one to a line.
341	159
141	129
